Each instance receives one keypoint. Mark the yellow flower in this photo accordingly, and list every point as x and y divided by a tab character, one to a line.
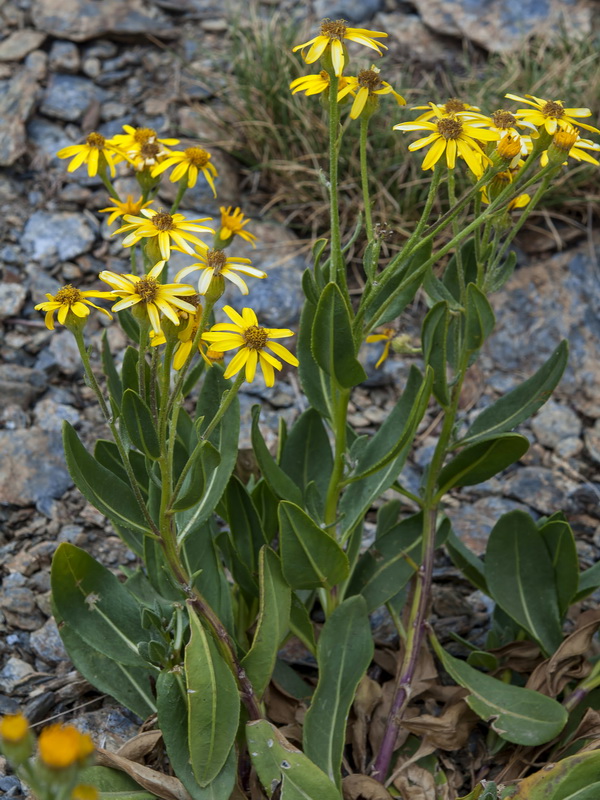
186	336
550	114
121	207
70	300
84	792
453	106
315	84
568	143
232	223
215	262
14	728
451	135
166	227
142	145
244	331
97	153
367	84
191	161
153	296
61	746
387	336
333	32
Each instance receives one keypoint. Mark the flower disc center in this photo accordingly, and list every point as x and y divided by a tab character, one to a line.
333	28
504	119
68	295
449	127
95	140
147	289
163	221
197	156
149	150
256	338
144	135
553	109
369	79
454	105
216	259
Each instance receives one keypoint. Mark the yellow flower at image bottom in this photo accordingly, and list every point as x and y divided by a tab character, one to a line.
60	746
244	332
13	728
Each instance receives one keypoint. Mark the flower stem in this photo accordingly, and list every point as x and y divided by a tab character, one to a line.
181	190
340	398
108	184
337	267
364	175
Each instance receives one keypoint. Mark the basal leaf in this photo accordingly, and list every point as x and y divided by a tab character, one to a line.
315	382
573	778
468	563
560	543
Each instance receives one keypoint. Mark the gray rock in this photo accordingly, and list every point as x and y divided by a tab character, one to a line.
569	447
32	467
410	38
474	522
540	488
49	415
592	442
16	46
92	67
19	608
64	57
17	99
70	97
66	354
13	417
350	10
52	236
110	727
503	25
555	422
20	385
14	671
80	20
47	644
12	298
37	64
48	137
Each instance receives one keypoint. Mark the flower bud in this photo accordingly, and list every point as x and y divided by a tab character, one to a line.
15	738
562	142
215	289
508	148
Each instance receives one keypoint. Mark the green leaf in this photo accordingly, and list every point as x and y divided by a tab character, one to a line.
244	523
479	318
560	543
115	387
171	701
204	466
130	686
129	375
129	325
113	784
520	578
193	376
273	621
139	424
504	272
400	288
438	292
435	348
108	494
315	383
589	581
96	605
281	484
310	557
397	431
307	453
450	278
283	768
522	402
573	778
344	652
332	341
480	461
467	562
518	715
317	251
301	625
213	705
309	286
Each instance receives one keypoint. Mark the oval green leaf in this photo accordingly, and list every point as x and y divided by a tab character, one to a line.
478	462
139	424
332	342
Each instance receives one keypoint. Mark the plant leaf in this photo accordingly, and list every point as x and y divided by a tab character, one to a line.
518	715
479	318
283	486
344	652
468	563
435	348
113	784
480	461
560	542
139	424
314	381
332	342
307	453
206	462
574	778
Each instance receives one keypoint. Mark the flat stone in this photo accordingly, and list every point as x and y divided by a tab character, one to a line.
12	298
32	467
501	26
66	354
48	138
37	64
350	10
555	422
20	386
64	57
70	97
57	236
13	672
540	488
112	726
49	415
19	43
17	99
473	523
409	37
592	442
19	608
80	20
569	447
47	644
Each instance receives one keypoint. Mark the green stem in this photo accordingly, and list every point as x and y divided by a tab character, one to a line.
364	175
133	260
340	399
460	270
108	184
181	190
337	267
142	360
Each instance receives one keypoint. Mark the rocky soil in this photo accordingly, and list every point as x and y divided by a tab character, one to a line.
72	66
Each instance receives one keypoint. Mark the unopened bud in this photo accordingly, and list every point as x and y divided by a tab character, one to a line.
509	147
562	142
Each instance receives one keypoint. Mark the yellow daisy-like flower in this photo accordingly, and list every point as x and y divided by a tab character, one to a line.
84	792
550	114
568	143
333	32
142	145
14	728
452	107
316	84
166	227
96	153
70	300
232	223
451	135
498	183
121	207
367	84
61	746
386	336
244	331
215	262
190	161
505	123
153	296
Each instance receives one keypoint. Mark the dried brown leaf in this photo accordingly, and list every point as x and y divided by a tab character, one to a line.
362	787
368	696
163	786
448	731
588	728
140	746
416	783
522	657
281	708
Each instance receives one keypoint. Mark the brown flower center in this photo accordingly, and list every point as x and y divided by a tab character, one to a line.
149	151
553	109
197	156
68	295
147	288
504	119
144	135
333	28
255	337
453	105
163	221
95	140
369	79
216	259
449	128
